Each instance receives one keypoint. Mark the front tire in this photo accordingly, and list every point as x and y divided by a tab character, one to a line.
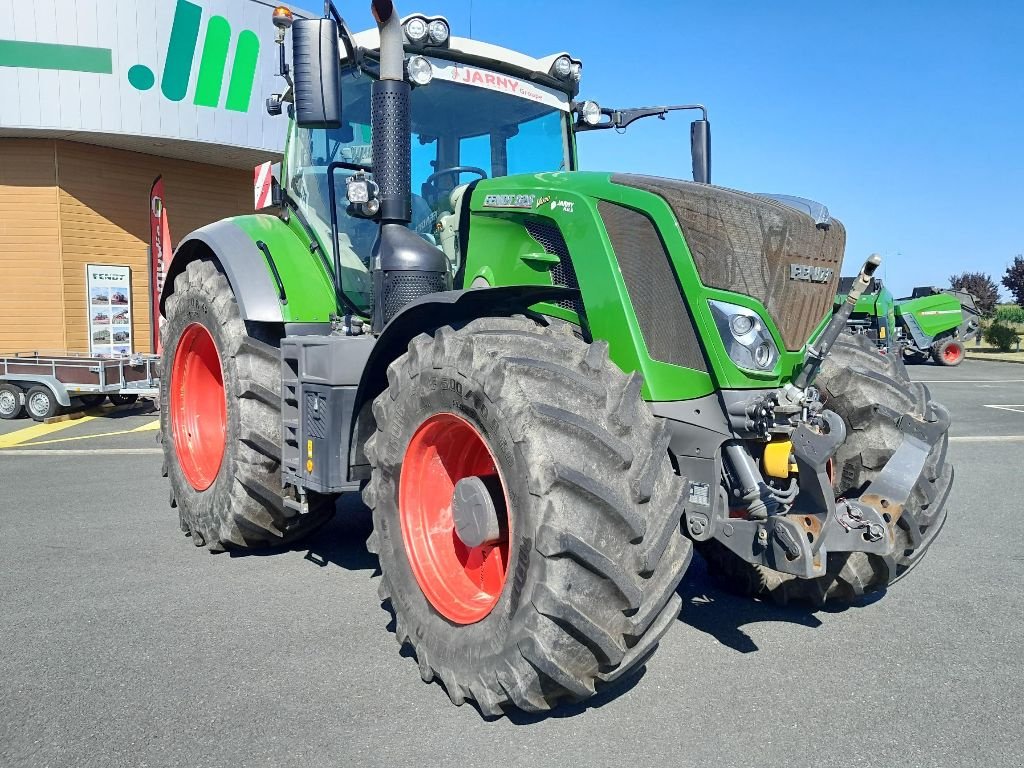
583	586
221	421
854	380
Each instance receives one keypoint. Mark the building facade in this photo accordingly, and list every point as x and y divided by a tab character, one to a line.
99	99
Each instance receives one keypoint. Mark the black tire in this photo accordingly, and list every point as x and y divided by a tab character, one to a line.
244	507
92	401
595	513
853	380
948	352
118	399
11	401
41	403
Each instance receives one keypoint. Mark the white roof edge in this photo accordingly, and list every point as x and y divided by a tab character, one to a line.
370	39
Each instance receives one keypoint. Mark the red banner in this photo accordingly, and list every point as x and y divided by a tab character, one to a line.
160	251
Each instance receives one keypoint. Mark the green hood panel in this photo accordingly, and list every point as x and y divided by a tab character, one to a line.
499	252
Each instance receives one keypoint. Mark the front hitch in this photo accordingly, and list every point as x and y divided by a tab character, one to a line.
799	542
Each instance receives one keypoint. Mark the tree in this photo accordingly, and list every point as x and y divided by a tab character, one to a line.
981	286
1014	279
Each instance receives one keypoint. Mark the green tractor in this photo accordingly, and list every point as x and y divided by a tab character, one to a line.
549	385
931	323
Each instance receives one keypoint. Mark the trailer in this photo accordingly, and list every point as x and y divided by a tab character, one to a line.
44	385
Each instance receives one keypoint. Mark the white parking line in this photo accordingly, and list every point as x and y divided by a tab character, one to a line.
971	381
987	439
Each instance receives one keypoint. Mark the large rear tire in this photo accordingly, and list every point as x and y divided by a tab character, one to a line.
577	583
221	420
853	380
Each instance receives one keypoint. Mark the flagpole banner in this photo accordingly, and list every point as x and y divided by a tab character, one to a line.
160	255
109	310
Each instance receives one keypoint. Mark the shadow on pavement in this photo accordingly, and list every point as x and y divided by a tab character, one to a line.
341	541
722	615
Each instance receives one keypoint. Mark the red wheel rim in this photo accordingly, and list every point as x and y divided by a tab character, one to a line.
463	583
952	353
198	408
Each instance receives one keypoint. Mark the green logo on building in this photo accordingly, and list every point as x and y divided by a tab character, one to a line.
181	52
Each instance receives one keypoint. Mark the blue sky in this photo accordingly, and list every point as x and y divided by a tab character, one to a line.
906	118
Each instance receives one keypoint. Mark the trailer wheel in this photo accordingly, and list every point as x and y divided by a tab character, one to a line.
92	401
11	405
948	352
852	385
221	420
118	399
525	512
41	403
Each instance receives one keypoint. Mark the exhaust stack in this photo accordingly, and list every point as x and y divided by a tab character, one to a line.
405	266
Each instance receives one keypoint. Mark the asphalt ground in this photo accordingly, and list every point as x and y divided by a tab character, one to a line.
123	645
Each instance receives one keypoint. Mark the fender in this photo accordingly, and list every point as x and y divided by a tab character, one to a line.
274	270
429	313
243	263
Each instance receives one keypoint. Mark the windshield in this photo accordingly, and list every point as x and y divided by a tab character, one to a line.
464	118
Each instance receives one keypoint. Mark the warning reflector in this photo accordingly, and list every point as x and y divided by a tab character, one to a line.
263	182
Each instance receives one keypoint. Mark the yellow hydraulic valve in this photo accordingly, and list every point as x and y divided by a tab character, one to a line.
778	459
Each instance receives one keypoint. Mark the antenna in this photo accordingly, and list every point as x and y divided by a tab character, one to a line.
471	19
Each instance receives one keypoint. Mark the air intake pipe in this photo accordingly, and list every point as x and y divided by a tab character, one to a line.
405	266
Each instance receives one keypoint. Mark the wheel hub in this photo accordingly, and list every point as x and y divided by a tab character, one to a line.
198	408
453	508
8	402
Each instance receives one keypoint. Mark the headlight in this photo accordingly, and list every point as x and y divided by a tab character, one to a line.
420	70
562	67
590	112
747	341
576	71
416	30
438	32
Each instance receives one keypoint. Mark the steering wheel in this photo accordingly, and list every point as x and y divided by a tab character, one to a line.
429	188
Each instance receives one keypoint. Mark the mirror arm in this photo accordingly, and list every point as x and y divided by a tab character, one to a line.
620	118
352	53
623	117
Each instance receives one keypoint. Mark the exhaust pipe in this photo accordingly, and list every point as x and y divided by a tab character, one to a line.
390	120
405	266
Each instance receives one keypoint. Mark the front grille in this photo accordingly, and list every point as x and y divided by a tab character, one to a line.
746	243
653	289
563	274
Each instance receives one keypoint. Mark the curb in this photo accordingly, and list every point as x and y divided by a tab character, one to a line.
990	359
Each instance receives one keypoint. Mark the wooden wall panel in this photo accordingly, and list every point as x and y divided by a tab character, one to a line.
31	297
104	219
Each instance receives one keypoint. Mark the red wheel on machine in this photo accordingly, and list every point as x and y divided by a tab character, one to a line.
952	354
198	408
462	582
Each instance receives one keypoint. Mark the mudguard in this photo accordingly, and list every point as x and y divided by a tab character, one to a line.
425	315
244	265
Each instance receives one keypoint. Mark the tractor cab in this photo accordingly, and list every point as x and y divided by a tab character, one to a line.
477	111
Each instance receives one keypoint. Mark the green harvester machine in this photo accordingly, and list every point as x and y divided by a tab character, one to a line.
931	323
549	385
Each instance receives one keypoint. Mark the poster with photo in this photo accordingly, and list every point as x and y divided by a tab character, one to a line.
109	308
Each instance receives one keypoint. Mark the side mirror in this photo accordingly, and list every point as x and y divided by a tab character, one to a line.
700	150
315	63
